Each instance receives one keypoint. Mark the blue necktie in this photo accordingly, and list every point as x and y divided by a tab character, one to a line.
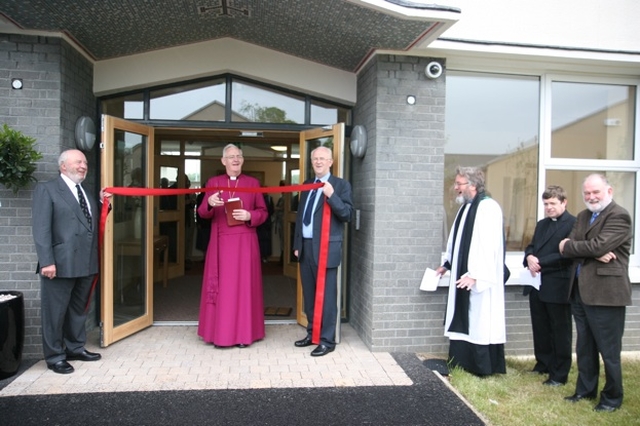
308	210
593	217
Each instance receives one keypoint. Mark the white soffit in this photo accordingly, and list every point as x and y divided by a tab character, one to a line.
216	57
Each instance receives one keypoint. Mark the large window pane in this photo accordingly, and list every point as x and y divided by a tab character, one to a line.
260	105
592	121
492	123
203	101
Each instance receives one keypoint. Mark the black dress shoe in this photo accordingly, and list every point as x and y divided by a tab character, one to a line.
577	397
85	355
603	408
321	350
551	382
242	345
304	342
61	367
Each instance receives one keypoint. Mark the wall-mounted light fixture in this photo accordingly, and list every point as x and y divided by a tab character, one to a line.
279	148
16	83
411	100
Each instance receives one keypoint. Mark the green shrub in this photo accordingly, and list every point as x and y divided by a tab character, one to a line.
17	159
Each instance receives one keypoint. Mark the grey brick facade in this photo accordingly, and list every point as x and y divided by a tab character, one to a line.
57	90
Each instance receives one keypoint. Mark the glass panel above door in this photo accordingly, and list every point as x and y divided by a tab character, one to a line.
204	101
130	107
251	103
323	114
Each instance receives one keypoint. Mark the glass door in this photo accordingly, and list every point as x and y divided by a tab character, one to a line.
127	254
333	138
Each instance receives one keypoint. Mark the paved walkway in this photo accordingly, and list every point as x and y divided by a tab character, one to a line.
175	358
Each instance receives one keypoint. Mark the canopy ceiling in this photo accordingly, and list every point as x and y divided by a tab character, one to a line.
336	33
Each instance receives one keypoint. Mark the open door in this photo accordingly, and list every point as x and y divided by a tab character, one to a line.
332	138
128	250
170	211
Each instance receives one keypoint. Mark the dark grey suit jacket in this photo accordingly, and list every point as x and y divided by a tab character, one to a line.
61	233
555	269
602	284
341	208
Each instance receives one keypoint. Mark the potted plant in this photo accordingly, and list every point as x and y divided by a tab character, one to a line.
17	159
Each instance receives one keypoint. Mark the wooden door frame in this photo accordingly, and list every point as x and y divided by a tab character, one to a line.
109	333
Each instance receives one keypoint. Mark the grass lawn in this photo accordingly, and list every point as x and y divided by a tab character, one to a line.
519	398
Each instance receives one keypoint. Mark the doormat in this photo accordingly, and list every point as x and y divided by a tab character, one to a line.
439	365
277	312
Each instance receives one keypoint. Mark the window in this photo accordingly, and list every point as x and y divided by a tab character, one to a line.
592	121
323	114
204	101
261	105
129	107
207	101
592	130
492	123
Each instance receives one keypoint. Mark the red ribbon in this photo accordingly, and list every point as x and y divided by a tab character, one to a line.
324	236
321	279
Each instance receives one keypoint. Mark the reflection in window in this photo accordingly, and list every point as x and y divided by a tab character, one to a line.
203	101
130	107
492	123
623	184
323	114
592	121
260	105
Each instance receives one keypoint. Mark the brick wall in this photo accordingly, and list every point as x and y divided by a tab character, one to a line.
57	86
398	189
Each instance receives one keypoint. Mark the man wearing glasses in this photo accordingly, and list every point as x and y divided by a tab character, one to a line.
475	322
336	193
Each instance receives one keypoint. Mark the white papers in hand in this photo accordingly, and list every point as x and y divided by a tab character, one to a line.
525	278
430	280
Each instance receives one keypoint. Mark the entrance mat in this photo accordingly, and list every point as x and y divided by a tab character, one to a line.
439	365
277	311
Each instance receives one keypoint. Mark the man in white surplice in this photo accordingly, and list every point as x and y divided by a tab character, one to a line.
475	322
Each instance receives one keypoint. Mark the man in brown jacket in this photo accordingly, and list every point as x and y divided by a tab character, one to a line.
600	289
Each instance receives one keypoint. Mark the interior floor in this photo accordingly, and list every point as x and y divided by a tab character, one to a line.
180	300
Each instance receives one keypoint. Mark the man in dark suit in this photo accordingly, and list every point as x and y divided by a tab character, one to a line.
600	289
336	193
549	306
65	232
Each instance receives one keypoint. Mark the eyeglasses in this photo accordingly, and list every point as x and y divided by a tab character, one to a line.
459	184
234	157
320	159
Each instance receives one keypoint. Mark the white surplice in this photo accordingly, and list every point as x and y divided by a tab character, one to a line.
486	265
